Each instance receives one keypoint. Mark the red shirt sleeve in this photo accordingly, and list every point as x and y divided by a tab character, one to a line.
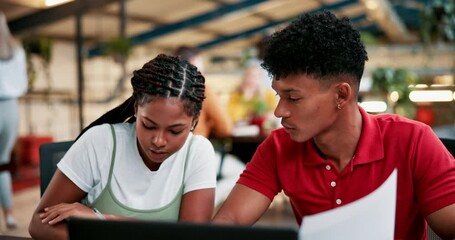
261	172
434	173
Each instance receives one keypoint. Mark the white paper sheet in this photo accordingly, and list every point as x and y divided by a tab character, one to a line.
371	217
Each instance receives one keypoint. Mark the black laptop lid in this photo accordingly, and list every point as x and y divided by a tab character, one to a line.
88	229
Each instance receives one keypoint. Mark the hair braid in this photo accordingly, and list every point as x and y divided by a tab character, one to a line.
164	76
168	76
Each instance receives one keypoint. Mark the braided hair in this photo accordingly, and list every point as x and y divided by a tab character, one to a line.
162	77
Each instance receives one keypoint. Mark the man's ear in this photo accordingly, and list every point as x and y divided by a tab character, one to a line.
343	92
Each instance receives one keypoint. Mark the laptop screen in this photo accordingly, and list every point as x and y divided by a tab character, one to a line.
87	229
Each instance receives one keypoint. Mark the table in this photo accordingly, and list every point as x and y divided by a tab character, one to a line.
244	147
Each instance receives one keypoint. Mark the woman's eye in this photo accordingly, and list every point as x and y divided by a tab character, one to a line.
147	127
176	132
294	99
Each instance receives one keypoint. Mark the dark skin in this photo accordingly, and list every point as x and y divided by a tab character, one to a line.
165	133
336	138
64	193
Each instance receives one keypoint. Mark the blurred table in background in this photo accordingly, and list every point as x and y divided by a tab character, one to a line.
244	146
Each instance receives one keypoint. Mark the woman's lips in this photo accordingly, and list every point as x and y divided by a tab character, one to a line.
157	152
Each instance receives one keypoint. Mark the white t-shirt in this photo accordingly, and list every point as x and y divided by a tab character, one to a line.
13	75
88	161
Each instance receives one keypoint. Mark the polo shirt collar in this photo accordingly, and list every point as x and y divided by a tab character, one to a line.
370	147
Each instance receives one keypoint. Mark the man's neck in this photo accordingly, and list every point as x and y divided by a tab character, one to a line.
339	146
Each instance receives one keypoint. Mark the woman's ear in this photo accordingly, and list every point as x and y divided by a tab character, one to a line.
194	123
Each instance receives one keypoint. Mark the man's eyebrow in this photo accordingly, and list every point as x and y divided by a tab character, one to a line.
154	123
289	90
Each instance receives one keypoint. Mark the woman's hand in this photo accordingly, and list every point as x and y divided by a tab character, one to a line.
57	213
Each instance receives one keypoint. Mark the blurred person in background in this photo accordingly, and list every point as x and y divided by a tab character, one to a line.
252	102
13	84
215	123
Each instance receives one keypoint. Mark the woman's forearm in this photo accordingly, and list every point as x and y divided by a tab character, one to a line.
39	230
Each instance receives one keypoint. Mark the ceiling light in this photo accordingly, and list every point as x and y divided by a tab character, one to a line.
421	86
51	3
394	96
431	96
371	5
374	106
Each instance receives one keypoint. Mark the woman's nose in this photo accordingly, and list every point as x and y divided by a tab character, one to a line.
159	141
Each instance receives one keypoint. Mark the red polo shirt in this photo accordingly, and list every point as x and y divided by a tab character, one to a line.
426	172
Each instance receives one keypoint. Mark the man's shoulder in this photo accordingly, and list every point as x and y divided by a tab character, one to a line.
396	120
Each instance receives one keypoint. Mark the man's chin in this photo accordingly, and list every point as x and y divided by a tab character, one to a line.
297	137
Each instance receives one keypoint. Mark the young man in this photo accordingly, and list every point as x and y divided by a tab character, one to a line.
330	152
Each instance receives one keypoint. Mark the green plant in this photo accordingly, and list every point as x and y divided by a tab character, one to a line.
387	80
368	38
260	107
437	21
41	47
118	47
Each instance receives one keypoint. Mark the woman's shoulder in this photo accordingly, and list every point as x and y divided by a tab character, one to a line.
104	131
199	140
97	130
199	144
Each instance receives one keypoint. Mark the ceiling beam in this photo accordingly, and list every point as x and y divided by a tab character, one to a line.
53	14
388	20
252	31
186	23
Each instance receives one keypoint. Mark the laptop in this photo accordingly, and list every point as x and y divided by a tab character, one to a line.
93	229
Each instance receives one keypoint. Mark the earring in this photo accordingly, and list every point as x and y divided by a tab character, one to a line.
339	106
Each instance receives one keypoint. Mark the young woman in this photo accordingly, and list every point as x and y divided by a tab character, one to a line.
145	164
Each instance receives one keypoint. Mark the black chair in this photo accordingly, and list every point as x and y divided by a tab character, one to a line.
50	155
450	144
223	146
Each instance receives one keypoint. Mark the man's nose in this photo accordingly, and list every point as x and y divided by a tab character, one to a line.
280	110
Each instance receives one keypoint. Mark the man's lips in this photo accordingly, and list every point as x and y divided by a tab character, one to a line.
286	126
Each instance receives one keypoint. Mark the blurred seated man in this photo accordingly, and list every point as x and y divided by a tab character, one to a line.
252	102
214	123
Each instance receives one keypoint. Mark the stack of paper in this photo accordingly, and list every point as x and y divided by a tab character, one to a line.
371	217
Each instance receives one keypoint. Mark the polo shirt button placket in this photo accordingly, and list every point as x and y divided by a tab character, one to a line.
333	183
328	167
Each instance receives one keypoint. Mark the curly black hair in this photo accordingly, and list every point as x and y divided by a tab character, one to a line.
320	45
164	76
